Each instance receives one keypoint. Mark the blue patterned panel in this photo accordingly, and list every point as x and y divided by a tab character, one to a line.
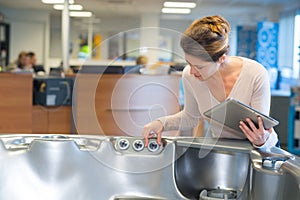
267	44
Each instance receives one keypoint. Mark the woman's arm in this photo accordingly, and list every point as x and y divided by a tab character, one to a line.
261	99
187	118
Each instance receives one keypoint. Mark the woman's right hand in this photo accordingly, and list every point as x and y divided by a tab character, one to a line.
152	130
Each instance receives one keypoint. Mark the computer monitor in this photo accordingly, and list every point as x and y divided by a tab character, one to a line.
38	68
135	69
56	71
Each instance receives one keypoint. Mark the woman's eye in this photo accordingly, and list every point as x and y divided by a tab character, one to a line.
198	67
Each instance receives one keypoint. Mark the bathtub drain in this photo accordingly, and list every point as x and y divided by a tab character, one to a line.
217	194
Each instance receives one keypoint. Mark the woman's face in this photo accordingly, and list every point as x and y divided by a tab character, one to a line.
24	60
202	70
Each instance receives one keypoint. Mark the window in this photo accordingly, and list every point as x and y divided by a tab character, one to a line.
289	40
296	54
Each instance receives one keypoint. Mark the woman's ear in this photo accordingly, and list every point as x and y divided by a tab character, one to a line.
222	58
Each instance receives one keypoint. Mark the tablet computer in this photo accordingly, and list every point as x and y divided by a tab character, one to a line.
231	112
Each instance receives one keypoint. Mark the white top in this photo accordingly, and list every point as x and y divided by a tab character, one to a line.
252	87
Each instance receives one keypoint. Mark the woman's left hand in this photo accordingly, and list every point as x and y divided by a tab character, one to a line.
257	136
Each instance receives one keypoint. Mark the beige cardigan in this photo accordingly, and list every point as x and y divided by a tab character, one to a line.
252	88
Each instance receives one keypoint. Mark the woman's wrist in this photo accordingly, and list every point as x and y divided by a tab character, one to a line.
270	142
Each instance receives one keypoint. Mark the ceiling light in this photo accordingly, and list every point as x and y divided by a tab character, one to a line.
80	14
179	4
176	10
71	7
56	1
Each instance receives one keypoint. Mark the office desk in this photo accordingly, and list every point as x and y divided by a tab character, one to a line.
112	105
122	104
15	103
51	120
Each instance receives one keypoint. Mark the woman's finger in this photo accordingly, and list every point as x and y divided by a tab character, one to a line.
251	124
260	123
246	130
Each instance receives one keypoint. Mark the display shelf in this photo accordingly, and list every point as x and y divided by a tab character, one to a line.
294	122
4	44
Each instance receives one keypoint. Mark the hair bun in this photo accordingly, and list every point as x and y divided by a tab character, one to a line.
218	25
207	38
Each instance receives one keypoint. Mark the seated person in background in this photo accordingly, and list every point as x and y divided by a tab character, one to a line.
23	63
142	60
20	62
23	60
32	60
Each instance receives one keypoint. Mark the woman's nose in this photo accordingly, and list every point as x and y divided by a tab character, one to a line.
193	70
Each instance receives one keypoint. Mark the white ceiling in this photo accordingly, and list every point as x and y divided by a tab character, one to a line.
134	8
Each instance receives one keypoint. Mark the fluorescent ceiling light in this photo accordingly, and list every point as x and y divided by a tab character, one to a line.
179	4
80	14
56	1
176	10
71	7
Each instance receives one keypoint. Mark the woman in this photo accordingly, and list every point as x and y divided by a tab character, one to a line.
212	77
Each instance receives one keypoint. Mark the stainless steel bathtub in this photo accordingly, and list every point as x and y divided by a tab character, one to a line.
64	167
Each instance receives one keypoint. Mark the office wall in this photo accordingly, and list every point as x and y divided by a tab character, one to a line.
29	32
